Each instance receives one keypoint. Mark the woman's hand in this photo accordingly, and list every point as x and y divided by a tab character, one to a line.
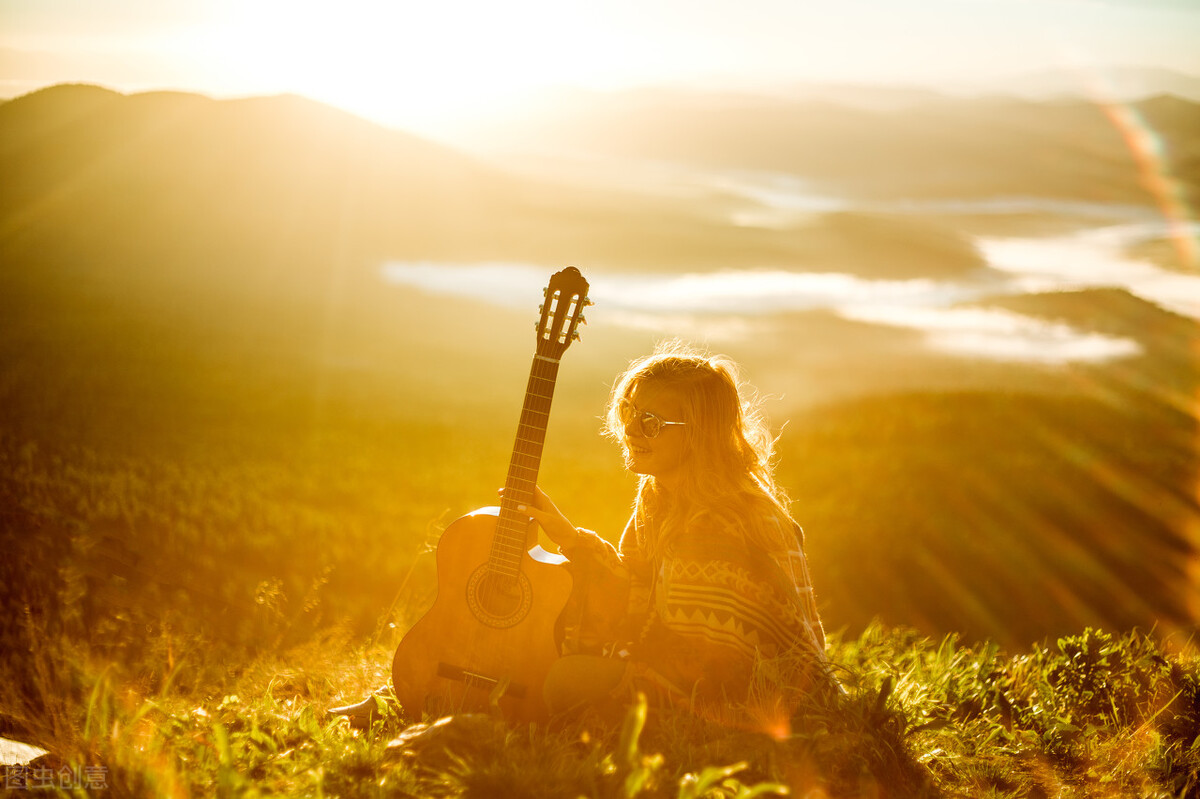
543	511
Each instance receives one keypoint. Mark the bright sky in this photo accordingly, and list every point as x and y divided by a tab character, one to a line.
407	62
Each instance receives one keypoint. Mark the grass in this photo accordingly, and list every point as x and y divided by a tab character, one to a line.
1095	714
177	626
177	617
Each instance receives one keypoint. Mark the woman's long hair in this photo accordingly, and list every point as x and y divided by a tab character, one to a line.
729	450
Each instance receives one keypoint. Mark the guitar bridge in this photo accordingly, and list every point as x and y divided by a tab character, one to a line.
474	679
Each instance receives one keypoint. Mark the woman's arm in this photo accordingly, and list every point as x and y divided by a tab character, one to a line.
602	575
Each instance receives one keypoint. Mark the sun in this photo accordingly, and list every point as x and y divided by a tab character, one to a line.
409	64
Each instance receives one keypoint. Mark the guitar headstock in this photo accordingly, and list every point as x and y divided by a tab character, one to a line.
562	312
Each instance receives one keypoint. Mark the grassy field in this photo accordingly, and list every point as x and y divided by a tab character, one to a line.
210	538
1088	715
185	595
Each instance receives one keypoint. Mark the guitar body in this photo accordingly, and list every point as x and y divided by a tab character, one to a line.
484	634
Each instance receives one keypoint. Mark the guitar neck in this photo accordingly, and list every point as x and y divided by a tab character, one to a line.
509	542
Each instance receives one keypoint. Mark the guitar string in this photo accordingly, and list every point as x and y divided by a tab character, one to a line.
529	447
504	562
505	559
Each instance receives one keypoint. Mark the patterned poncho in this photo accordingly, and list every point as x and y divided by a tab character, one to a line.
695	619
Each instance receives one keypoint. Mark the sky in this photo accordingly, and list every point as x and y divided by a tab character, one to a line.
415	63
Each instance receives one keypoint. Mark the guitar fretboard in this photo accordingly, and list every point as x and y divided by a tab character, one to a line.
509	542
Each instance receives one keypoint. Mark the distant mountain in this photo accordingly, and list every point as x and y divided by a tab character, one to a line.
266	194
864	96
1128	84
922	146
176	171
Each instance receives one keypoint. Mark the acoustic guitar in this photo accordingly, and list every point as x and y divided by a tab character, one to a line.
489	638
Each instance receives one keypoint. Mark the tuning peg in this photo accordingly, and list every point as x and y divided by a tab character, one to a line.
542	308
582	319
587	302
575	335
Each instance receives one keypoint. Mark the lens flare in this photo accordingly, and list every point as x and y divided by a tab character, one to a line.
1149	153
1150	156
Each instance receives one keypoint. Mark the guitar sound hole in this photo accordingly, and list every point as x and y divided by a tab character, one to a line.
499	596
498	600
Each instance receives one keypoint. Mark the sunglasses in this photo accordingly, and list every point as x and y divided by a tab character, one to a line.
648	424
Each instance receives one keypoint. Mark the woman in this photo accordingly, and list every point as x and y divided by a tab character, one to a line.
710	579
